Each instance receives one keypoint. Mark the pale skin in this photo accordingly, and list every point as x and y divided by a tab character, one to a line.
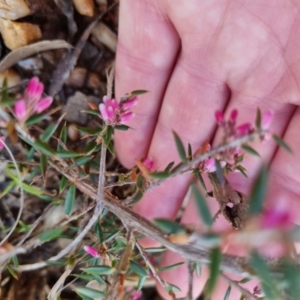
196	57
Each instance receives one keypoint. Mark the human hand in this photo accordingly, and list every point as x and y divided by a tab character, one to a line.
195	58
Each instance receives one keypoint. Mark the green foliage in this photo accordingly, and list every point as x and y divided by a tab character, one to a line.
70	199
214	267
136	268
179	146
168	226
51	234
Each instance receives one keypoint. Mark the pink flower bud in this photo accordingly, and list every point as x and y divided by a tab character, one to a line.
137	295
103	112
20	110
266	120
91	251
149	163
243	129
43	104
34	90
2	142
233	115
210	165
126	117
219	117
129	103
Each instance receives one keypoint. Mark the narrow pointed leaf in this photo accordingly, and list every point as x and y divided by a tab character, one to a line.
258	191
200	178
214	267
49	132
160	175
70	199
250	150
219	173
168	226
170	267
91	293
281	143
136	268
64	154
138	92
258	119
179	146
63	184
264	274
202	206
51	234
99	270
141	282
63	137
43	147
122	127
35	119
227	294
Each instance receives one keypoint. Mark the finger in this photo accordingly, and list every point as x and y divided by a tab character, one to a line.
147	49
189	110
284	176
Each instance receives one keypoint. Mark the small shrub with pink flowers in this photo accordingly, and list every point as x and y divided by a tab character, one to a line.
101	258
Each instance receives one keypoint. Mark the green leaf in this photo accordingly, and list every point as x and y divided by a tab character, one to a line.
92	112
24	227
160	175
46	135
200	178
67	154
244	280
83	160
261	269
179	146
51	234
136	268
107	137
168	226
63	137
138	92
202	206
141	282
190	152
258	119
43	147
258	191
219	172
281	143
122	127
70	199
155	249
292	277
242	170
169	166
99	270
63	184
15	261
250	150
12	271
227	294
170	267
35	119
173	288
214	267
43	164
138	196
91	293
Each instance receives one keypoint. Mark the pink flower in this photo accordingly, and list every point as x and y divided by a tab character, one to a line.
91	251
114	113
276	218
136	296
210	165
2	142
32	102
148	163
243	129
219	117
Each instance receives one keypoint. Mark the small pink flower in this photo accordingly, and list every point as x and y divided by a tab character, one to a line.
233	115
149	163
266	120
243	129
34	90
126	117
32	102
20	110
219	117
91	251
137	295
114	113
210	165
2	142
43	104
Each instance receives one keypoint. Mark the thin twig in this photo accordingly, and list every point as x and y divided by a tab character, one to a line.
149	264
190	271
242	290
